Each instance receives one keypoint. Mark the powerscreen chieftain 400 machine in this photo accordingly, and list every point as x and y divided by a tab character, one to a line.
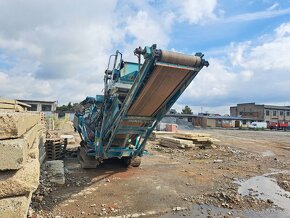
136	97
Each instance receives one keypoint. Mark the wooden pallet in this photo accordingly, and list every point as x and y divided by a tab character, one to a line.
54	148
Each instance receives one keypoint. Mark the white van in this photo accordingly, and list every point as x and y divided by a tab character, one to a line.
258	125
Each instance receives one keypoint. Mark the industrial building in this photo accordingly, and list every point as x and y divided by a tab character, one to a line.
222	121
210	121
268	113
48	107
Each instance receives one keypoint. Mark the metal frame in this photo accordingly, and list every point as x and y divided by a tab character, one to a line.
109	127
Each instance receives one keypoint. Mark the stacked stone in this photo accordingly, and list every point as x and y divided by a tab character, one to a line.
21	136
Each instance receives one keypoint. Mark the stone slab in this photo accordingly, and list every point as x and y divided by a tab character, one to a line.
37	150
42	158
55	171
192	136
15	124
9	107
13	102
174	142
15	206
14	152
22	181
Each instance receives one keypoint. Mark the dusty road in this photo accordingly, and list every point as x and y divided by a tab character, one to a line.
237	179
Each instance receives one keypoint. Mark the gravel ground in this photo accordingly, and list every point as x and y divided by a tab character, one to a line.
176	182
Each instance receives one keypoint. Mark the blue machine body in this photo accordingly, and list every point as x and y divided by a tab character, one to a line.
108	125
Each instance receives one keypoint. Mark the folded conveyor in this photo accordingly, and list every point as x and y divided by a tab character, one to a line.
170	72
127	117
163	77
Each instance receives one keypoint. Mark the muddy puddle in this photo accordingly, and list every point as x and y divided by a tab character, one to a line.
262	187
266	188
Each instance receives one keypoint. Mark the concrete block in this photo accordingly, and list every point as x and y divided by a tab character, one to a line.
55	171
20	182
15	206
14	152
15	124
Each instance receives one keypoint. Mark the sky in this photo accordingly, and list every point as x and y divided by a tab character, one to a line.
58	50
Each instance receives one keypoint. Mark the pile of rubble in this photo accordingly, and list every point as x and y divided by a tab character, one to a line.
185	140
52	175
231	199
21	136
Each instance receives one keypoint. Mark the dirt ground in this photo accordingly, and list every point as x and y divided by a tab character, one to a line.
177	183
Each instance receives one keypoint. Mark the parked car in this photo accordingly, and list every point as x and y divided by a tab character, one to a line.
278	125
258	125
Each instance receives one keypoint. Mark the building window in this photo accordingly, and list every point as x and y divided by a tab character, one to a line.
288	113
46	107
274	113
267	112
281	113
33	107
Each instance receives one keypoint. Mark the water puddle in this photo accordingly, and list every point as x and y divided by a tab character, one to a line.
266	188
261	187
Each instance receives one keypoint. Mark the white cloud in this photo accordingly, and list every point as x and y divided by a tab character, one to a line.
3	78
64	46
58	50
237	52
257	70
246	75
194	11
145	30
19	44
213	81
283	30
273	6
25	86
258	15
272	55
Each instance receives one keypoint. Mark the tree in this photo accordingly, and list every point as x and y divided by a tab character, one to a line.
186	110
65	108
173	111
77	107
69	106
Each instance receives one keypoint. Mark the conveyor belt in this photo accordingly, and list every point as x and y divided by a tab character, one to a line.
163	82
119	123
168	74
